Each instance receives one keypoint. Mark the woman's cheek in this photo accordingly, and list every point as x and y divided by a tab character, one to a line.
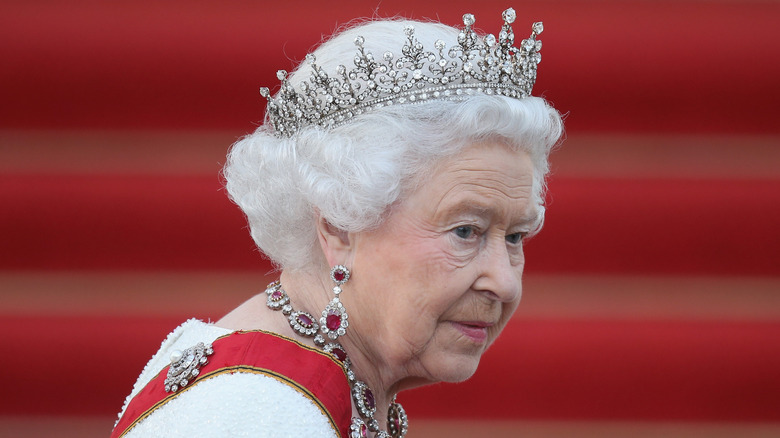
459	251
517	256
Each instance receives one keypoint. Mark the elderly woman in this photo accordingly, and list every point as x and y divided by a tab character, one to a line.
398	172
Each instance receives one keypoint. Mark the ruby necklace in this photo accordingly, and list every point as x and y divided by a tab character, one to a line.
335	319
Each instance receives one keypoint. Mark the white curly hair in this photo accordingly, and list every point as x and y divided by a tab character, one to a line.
353	174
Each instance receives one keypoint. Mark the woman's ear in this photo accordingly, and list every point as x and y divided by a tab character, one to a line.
336	243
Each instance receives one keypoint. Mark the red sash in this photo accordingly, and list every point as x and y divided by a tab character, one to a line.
315	374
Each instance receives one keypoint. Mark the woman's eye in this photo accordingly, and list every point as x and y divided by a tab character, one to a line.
464	232
515	238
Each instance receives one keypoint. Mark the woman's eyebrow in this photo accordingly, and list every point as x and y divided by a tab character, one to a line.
531	216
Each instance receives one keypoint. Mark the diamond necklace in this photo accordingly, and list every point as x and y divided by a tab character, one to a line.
304	324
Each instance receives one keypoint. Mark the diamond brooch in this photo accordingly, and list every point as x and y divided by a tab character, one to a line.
185	366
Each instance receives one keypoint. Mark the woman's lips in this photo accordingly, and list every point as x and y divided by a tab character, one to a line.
474	330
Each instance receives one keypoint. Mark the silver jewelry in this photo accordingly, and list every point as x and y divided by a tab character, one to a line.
335	320
397	422
362	396
185	366
303	323
471	65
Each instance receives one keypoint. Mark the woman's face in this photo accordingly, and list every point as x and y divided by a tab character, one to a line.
438	281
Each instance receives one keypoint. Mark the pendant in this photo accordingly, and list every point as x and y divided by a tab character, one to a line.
334	320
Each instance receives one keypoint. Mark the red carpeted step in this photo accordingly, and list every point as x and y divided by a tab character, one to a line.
677	226
539	369
620	369
186	222
685	66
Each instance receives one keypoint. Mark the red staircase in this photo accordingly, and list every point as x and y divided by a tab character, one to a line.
652	295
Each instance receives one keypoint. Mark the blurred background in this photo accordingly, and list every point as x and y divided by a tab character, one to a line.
651	299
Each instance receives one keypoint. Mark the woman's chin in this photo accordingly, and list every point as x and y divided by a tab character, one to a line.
457	369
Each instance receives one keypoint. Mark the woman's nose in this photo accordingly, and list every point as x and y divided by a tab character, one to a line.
500	274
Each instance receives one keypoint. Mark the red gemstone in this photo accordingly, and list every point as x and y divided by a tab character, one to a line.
368	396
333	322
276	295
339	353
363	431
304	320
339	275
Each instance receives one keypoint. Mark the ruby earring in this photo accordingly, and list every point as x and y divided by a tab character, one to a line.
333	322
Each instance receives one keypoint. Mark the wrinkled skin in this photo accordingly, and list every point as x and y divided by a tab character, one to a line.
436	283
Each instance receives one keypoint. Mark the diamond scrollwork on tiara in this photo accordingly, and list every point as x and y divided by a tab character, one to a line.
470	65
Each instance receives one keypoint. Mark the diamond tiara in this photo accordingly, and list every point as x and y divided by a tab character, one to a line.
472	65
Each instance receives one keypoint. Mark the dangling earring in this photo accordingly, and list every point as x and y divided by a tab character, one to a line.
334	321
